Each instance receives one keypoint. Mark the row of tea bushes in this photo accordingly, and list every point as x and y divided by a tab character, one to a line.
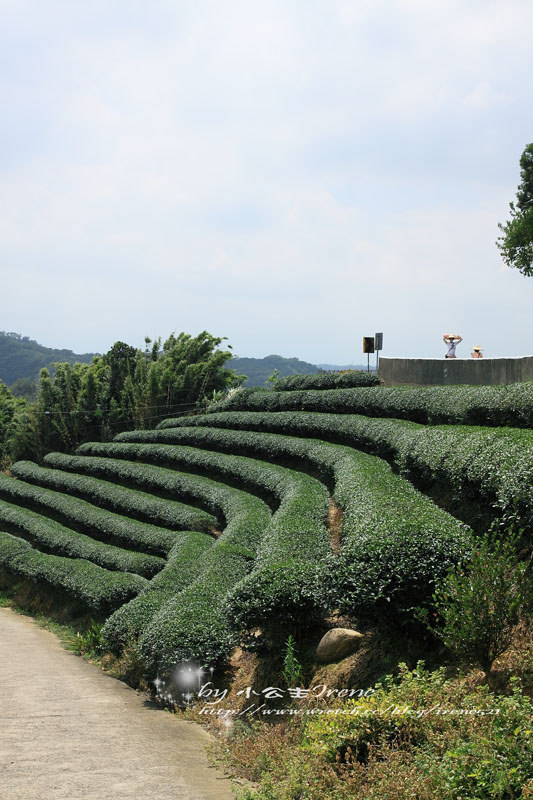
291	545
193	561
135	504
466	405
192	564
87	518
397	544
493	467
304	500
327	380
243	513
396	541
51	537
97	589
196	624
185	561
267	480
193	625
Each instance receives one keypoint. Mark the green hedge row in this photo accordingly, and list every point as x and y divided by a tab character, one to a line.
193	625
396	542
232	554
465	405
303	499
53	538
242	511
292	545
284	580
97	589
96	522
493	467
130	502
327	380
189	635
185	561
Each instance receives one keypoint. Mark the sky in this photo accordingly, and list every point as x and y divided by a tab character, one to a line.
291	174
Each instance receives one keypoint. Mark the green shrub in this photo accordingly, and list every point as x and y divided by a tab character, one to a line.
480	605
417	736
304	499
85	517
293	543
492	467
396	542
90	642
295	536
51	537
97	588
185	561
277	598
292	669
467	405
328	380
132	502
246	519
221	500
192	625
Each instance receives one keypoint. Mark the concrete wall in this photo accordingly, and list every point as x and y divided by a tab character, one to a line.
439	371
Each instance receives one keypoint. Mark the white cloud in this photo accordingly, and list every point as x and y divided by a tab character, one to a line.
301	161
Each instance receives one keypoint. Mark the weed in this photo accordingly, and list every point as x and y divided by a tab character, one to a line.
292	669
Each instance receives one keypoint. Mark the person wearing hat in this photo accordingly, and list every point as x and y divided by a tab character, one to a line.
476	351
451	340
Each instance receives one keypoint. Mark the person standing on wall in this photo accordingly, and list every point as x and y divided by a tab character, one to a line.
451	340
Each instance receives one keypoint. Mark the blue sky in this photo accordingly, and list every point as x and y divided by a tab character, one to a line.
291	174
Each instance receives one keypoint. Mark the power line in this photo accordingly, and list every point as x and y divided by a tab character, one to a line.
94	410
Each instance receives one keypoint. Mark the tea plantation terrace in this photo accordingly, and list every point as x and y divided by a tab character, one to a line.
213	529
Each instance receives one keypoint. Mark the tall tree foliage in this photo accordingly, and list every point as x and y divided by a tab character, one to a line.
126	388
9	405
516	243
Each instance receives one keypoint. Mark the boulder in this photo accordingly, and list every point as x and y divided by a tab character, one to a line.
338	643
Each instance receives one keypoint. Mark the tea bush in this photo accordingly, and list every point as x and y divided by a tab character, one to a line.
396	542
137	505
510	405
97	588
85	517
185	561
327	380
494	467
51	537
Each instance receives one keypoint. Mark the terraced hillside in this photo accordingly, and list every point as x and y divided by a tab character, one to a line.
190	538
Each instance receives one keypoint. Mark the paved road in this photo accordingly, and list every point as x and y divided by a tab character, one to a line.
67	730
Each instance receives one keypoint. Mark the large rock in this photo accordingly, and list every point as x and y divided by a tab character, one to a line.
338	643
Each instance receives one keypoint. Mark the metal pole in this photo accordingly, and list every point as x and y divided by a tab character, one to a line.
368	362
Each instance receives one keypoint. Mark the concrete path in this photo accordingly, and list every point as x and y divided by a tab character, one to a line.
67	730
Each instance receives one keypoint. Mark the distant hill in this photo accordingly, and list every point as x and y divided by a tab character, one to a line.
259	369
22	357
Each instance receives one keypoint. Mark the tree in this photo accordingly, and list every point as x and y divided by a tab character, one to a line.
125	388
516	243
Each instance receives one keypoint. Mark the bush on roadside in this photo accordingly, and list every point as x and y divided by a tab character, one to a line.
480	605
